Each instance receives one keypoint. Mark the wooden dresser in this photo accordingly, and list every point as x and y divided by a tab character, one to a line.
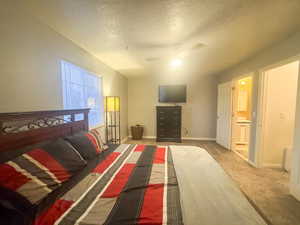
168	123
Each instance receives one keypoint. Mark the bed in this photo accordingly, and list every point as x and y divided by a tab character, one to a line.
125	184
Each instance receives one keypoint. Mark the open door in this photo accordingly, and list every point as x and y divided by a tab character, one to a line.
224	115
241	116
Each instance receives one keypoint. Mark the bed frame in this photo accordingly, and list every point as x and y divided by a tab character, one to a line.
20	129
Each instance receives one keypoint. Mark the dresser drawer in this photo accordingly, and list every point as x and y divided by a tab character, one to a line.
168	124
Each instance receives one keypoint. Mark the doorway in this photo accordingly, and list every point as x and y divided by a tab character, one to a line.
241	116
278	115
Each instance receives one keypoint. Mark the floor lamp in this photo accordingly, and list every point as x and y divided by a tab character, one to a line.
112	119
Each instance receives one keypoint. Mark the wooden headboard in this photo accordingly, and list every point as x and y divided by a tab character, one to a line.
20	129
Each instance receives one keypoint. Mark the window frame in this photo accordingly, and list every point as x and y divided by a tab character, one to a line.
65	88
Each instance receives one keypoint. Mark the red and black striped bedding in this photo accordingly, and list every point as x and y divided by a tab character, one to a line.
133	184
30	177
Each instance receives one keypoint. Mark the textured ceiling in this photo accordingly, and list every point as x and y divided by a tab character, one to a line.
140	37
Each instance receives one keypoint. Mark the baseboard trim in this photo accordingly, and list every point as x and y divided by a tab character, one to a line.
252	163
198	139
241	156
124	140
184	138
273	165
145	137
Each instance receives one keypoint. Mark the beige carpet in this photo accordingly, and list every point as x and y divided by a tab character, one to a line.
266	188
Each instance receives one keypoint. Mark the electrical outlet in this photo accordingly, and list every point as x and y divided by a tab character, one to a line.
282	116
186	131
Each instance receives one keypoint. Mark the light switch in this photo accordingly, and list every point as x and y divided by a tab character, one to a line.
282	116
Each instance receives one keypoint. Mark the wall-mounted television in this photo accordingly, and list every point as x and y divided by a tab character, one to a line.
172	93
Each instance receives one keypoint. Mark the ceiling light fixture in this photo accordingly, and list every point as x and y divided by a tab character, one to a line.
175	63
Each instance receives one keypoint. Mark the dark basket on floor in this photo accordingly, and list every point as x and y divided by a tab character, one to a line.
137	132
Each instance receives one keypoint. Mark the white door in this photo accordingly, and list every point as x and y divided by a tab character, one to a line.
224	115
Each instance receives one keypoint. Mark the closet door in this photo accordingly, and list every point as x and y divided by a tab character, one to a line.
224	115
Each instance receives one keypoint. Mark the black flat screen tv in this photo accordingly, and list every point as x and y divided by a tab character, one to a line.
172	93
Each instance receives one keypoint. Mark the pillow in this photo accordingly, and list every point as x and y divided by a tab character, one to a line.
28	178
100	138
101	131
86	144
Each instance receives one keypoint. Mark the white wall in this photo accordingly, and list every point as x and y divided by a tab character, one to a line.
30	65
281	92
198	114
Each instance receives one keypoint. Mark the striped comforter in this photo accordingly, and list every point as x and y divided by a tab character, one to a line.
135	184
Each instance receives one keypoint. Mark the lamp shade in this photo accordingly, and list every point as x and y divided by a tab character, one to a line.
112	104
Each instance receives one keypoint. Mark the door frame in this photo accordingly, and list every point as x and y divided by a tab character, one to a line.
295	167
261	106
233	83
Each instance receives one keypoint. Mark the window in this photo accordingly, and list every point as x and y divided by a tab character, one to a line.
82	89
